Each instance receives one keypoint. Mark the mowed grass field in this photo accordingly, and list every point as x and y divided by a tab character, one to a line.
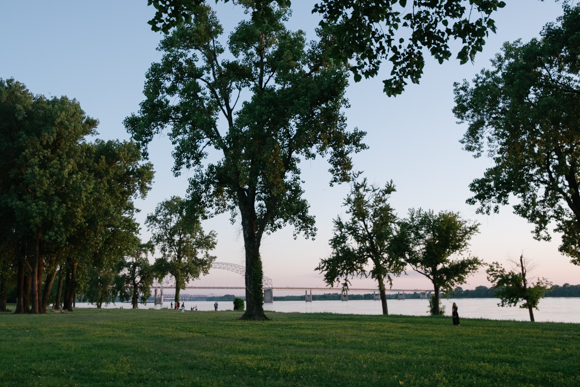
151	347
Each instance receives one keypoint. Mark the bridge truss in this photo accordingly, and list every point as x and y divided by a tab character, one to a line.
169	281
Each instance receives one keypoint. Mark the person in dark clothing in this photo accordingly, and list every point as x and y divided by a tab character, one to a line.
455	314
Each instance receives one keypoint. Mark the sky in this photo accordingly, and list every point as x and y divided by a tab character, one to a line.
98	53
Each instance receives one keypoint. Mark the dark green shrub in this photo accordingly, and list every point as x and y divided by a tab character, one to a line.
432	306
238	304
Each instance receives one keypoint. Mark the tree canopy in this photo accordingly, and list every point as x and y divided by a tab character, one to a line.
290	111
525	112
365	237
365	34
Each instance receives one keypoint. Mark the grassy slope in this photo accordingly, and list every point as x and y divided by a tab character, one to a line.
136	347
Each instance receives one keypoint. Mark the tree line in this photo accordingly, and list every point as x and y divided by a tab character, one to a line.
292	96
68	227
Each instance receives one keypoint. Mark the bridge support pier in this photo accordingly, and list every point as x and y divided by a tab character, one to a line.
308	298
376	296
424	295
400	296
268	296
344	296
158	297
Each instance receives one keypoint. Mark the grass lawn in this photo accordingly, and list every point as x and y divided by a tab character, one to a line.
137	347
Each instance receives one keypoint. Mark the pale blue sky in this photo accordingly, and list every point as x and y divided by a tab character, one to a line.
98	53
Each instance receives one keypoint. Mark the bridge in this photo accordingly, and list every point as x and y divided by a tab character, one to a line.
267	285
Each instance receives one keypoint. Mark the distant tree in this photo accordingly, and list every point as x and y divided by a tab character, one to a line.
429	242
364	238
365	33
184	246
291	111
526	113
136	275
513	286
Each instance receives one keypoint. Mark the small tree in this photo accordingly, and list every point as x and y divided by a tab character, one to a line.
238	304
512	286
428	242
136	275
184	246
364	238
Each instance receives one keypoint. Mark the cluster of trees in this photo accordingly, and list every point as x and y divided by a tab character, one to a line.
67	208
434	245
293	96
66	203
61	214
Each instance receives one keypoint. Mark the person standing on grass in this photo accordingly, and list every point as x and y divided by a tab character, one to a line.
455	314
215	305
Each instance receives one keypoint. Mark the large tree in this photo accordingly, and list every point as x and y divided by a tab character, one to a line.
177	232
365	237
513	286
525	112
290	111
366	33
436	246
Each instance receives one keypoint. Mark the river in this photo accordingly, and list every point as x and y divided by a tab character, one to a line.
551	309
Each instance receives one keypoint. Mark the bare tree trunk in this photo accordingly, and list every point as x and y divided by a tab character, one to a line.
254	273
47	289
436	311
135	296
26	294
20	287
59	290
177	290
34	286
3	292
381	281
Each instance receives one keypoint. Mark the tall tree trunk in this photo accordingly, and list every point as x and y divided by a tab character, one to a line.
67	289
70	288
26	294
381	281
47	290
135	296
20	287
254	273
3	293
34	296
59	290
436	311
177	289
40	275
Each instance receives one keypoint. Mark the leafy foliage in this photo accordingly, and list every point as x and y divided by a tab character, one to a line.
428	242
238	304
511	287
364	34
526	112
364	238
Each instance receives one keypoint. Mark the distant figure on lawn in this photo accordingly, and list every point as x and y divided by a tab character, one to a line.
171	304
455	314
215	305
